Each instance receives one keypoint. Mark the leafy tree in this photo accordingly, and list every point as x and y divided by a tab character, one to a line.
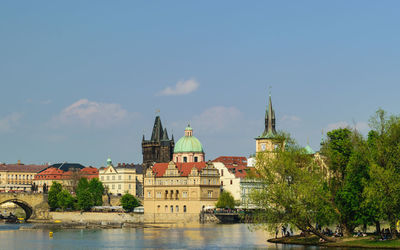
85	200
97	190
65	200
295	190
226	200
83	185
55	189
129	202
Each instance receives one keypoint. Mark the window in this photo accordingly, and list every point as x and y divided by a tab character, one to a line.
184	194
102	178
222	183
185	159
129	186
119	186
166	208
119	177
195	159
130	177
172	209
209	194
222	172
113	186
108	178
184	208
158	208
231	182
158	195
148	194
177	209
113	177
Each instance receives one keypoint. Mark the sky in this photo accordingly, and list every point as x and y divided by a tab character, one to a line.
83	80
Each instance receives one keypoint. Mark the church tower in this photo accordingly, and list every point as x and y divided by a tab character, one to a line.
159	148
268	140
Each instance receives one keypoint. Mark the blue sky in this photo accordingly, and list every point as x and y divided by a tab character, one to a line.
82	80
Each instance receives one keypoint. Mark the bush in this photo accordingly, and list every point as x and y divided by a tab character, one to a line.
129	202
226	200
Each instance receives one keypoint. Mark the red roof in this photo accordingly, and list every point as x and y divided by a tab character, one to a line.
58	174
184	168
236	165
22	168
232	160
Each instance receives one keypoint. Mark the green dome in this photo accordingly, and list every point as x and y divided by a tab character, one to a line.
188	144
109	162
309	150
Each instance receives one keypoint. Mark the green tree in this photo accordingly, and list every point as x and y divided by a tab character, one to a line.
85	200
226	200
83	185
129	202
55	189
65	200
295	190
97	189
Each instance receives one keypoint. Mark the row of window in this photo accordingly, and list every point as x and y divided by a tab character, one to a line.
20	176
113	177
119	186
184	182
171	209
171	194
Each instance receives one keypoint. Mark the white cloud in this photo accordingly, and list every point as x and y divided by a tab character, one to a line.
91	114
180	88
291	118
217	118
362	127
8	123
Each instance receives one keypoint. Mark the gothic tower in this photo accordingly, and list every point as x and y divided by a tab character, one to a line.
159	148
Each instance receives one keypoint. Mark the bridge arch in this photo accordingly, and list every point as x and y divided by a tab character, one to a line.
25	206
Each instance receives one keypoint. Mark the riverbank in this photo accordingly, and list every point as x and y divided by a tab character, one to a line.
357	242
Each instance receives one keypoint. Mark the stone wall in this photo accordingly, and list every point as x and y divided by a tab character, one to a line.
96	217
172	218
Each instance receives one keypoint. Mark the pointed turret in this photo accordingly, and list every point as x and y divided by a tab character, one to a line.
165	135
269	130
157	130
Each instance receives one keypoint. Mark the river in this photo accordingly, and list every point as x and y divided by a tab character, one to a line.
209	236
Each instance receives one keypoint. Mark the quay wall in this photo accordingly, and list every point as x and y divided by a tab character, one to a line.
96	217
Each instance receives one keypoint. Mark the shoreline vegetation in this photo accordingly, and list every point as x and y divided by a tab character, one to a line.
358	242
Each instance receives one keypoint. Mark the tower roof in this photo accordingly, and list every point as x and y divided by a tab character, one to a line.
269	131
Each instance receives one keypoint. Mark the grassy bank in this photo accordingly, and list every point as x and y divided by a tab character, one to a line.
364	242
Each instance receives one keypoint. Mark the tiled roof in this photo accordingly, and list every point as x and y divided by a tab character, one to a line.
58	174
183	168
22	168
232	160
137	167
236	165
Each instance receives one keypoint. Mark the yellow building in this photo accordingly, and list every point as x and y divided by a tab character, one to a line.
124	178
180	191
18	177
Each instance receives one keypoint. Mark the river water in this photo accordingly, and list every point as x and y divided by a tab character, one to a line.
226	236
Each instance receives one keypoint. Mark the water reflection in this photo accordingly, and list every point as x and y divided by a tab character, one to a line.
193	236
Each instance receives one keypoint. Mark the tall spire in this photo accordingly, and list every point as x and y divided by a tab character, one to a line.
269	119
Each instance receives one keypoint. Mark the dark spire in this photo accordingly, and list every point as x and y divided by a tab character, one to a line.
143	138
157	130
172	139
165	135
269	119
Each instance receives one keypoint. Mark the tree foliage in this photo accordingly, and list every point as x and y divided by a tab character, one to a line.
226	200
55	189
129	202
294	192
65	200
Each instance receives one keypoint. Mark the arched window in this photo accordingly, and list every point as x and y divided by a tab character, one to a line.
195	159
184	208
177	209
184	159
166	208
172	209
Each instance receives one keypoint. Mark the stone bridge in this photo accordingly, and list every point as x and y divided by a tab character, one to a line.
34	204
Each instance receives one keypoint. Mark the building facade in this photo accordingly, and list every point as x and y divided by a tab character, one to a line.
159	148
180	190
123	178
18	177
188	148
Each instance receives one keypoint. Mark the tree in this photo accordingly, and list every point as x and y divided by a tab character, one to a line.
55	189
226	200
85	200
129	202
65	200
83	185
97	189
295	191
